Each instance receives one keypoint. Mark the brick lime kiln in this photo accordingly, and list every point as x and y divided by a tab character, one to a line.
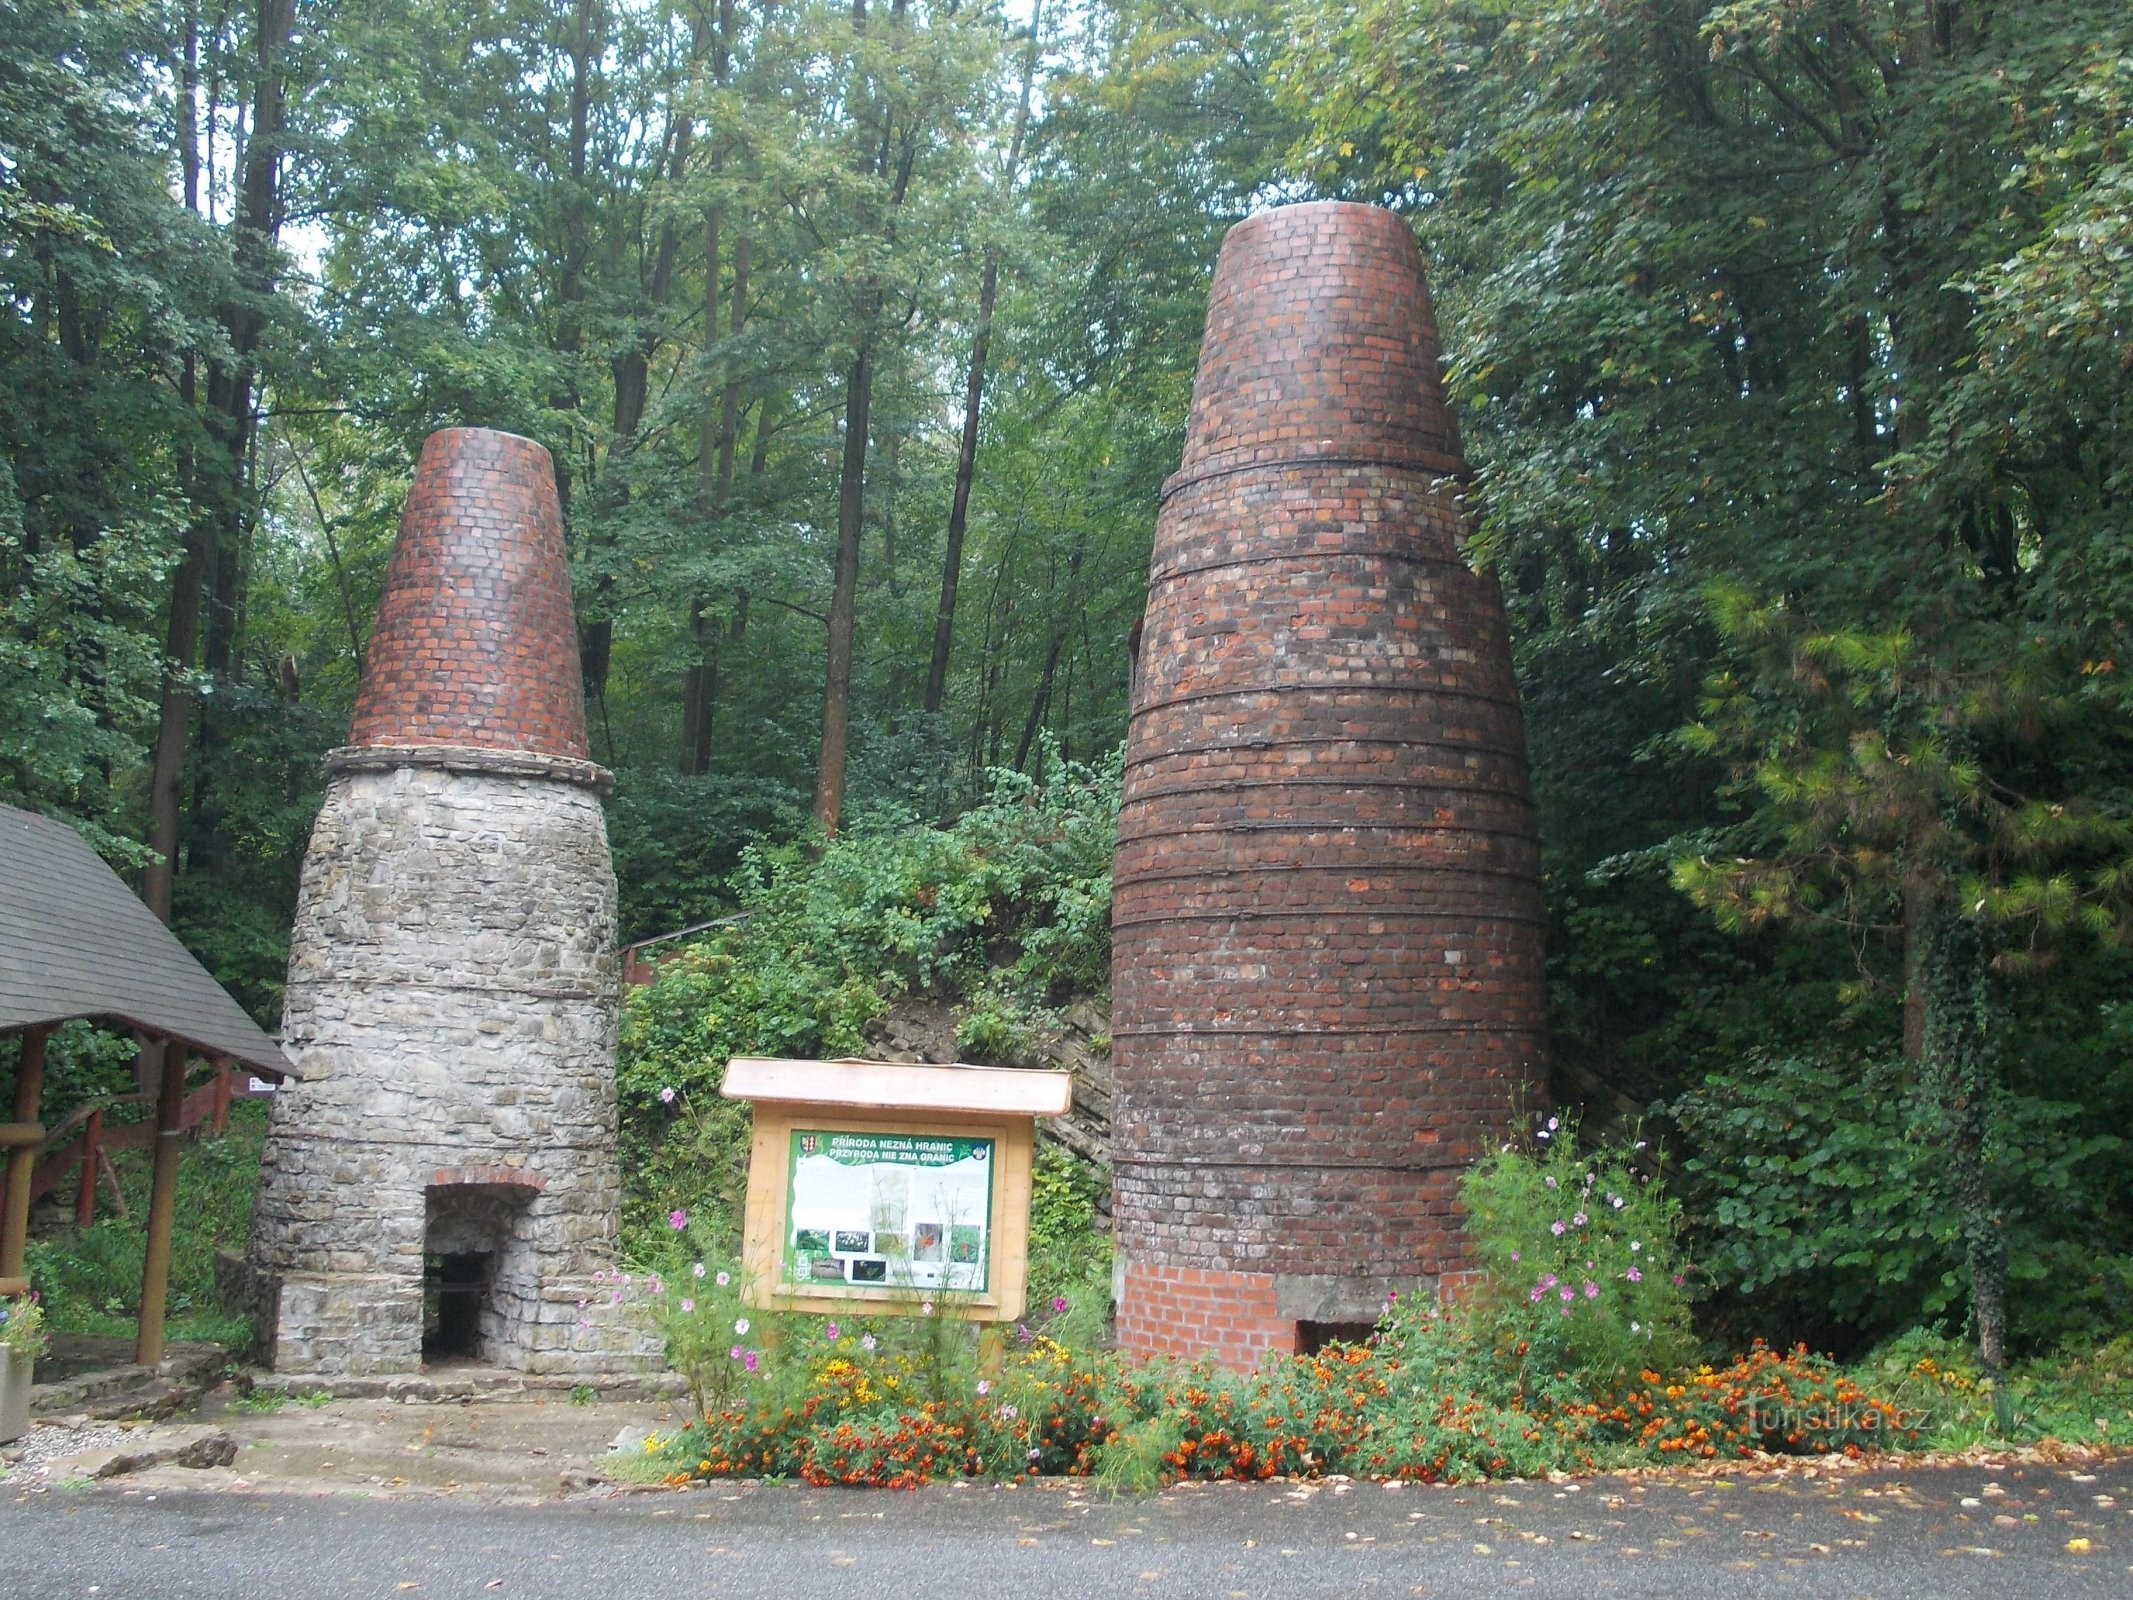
445	1181
1326	980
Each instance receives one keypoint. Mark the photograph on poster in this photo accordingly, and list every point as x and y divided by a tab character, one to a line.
897	1210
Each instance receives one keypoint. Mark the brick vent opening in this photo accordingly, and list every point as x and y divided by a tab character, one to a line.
1312	1337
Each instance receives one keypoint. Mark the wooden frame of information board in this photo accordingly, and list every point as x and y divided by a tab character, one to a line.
968	1129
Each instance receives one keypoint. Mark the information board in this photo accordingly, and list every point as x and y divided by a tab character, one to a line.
889	1210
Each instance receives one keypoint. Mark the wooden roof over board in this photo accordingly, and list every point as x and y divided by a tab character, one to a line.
900	1086
76	942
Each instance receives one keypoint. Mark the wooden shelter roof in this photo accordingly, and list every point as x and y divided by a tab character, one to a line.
76	942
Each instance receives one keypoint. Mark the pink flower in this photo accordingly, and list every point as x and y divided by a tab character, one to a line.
984	1386
925	1308
830	1333
1514	1255
1556	1227
1634	1275
1059	1302
618	1297
1578	1221
688	1306
1565	1293
1535	1294
1678	1280
748	1361
1022	1332
734	1354
697	1271
677	1220
723	1279
1008	1413
866	1342
1592	1291
666	1095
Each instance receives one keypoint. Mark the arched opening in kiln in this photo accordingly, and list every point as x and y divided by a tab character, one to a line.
472	1238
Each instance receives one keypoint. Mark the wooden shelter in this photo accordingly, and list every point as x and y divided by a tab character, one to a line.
76	943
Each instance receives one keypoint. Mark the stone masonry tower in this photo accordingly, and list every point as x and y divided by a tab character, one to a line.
1326	980
444	1185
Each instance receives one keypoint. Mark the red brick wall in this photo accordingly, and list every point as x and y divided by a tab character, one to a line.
1327	983
1194	1311
475	641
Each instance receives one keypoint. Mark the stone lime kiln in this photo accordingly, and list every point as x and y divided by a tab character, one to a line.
1327	990
445	1182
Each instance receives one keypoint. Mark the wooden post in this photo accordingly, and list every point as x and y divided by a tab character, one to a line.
222	1094
22	1158
111	1181
162	1206
92	1151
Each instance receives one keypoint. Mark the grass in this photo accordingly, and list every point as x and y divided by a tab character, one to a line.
2075	1397
90	1279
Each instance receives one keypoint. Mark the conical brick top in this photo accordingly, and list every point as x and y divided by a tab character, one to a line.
1321	343
475	643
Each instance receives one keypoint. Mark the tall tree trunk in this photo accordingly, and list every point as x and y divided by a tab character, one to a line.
174	721
714	462
1918	903
1959	1065
844	593
966	460
1042	703
217	485
729	420
851	481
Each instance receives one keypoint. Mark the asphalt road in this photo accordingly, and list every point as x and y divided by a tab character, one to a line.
2025	1531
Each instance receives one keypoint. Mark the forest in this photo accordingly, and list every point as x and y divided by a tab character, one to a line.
1789	338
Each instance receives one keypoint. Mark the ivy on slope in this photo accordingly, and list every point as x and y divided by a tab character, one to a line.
1011	902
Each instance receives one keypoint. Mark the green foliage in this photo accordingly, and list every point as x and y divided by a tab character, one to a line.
22	1326
90	1279
1580	1249
1069	1258
1431	1400
1822	1175
1011	897
1821	1199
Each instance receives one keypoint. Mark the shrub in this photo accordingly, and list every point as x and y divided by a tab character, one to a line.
1007	907
1822	1194
1791	1404
1580	1256
22	1326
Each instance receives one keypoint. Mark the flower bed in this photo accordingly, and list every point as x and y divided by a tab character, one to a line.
1572	1355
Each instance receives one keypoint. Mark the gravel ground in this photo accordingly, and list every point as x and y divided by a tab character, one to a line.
48	1442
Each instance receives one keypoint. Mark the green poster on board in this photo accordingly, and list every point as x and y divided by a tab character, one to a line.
889	1210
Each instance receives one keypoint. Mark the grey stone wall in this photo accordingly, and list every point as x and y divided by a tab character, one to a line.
453	984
